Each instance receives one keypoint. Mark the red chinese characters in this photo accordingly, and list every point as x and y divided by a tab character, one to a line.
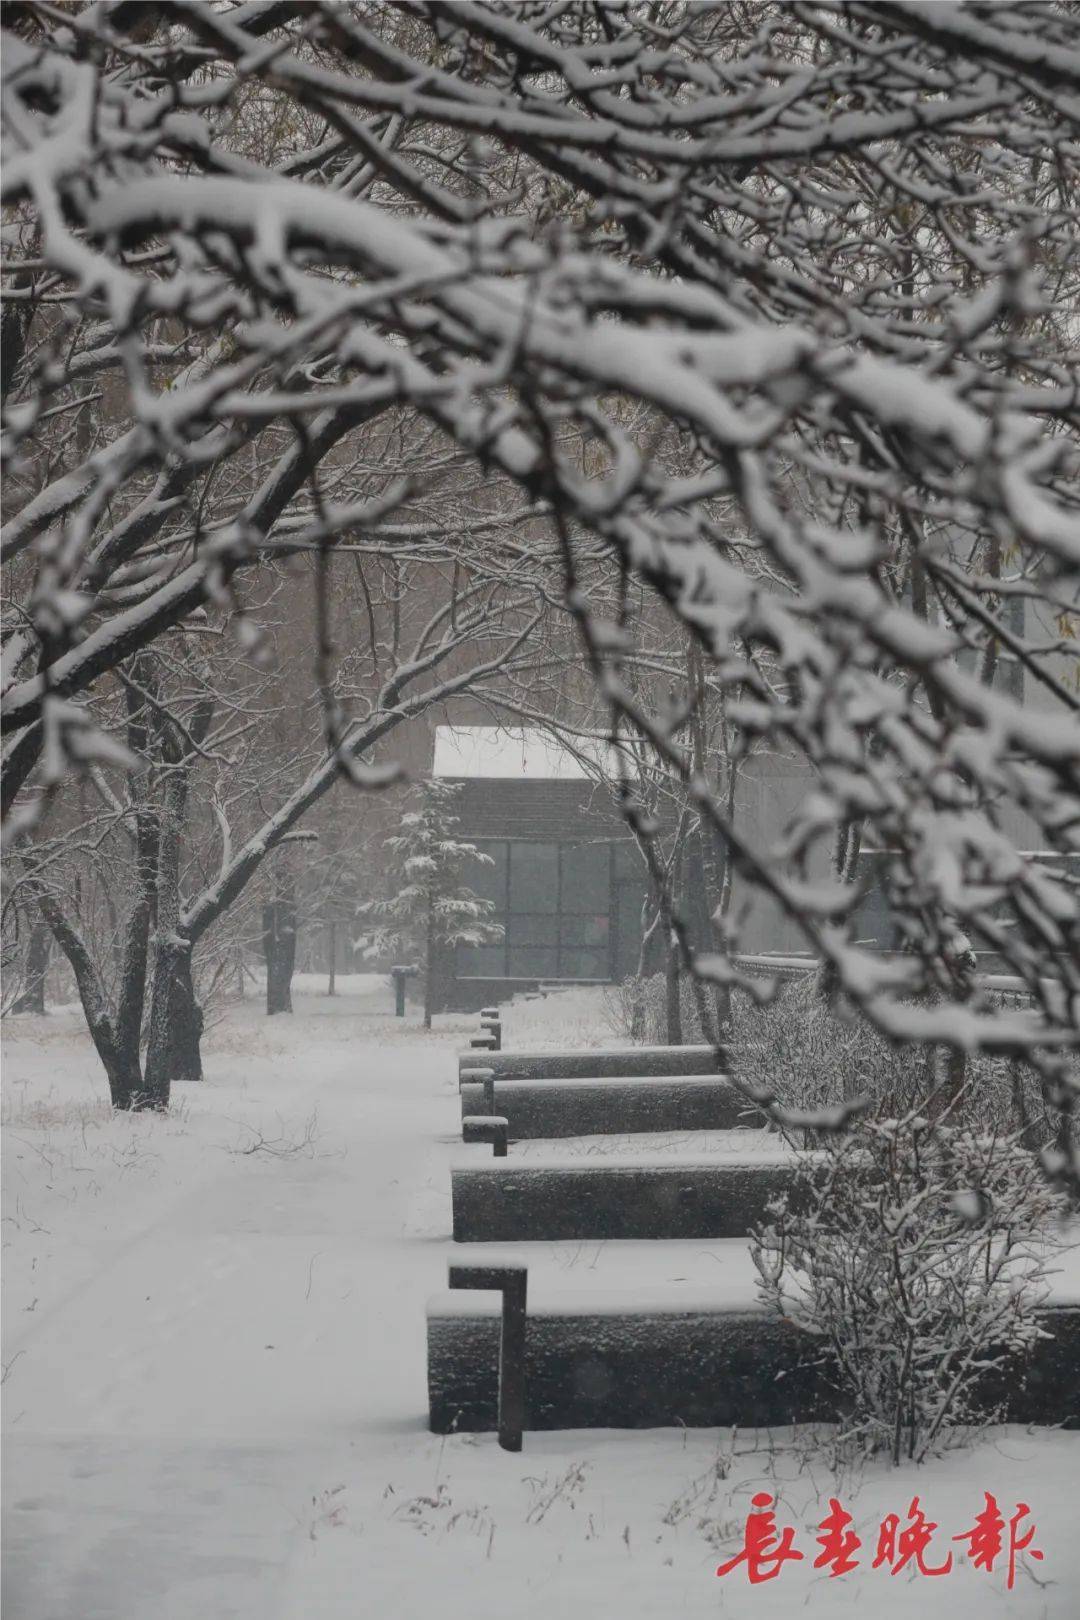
898	1547
985	1538
900	1544
763	1552
837	1541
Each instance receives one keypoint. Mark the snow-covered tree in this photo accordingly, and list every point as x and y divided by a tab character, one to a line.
430	907
775	303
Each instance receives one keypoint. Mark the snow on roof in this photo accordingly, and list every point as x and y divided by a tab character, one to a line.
517	751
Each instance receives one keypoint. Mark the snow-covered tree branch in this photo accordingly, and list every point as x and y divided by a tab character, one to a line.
774	304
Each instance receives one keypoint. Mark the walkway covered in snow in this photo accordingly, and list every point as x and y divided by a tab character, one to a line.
216	1398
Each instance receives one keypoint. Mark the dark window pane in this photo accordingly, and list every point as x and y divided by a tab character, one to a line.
534	877
586	877
555	901
584	931
489	882
474	961
533	962
533	930
584	965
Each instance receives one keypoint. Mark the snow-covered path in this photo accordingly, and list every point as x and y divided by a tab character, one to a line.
220	1364
216	1393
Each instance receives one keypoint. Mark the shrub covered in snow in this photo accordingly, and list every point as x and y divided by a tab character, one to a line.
799	1050
917	1257
638	1009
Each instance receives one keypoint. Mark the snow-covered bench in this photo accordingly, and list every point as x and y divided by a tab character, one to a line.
644	1195
659	1362
585	1064
547	1108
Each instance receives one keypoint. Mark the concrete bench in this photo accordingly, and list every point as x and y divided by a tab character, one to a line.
632	1196
510	1282
489	1129
634	1060
704	1367
546	1108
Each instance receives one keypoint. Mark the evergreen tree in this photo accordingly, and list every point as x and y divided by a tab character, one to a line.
430	907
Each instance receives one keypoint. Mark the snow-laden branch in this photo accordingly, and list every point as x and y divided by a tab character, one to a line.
774	309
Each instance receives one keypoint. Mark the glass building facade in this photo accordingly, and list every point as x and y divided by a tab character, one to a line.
568	910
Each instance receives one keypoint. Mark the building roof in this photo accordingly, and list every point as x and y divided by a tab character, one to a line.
518	753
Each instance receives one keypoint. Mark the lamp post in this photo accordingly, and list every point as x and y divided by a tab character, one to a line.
399	975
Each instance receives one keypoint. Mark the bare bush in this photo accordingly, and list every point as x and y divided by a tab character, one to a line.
297	1143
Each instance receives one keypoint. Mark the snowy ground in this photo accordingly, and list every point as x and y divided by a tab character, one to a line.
215	1381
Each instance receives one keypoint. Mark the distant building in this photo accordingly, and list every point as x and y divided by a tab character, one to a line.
567	880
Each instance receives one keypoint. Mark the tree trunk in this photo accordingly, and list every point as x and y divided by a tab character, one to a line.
429	964
16	321
185	1024
963	965
1029	1134
131	995
674	1009
125	1077
121	1065
32	998
279	948
135	950
950	1075
331	988
176	1020
703	884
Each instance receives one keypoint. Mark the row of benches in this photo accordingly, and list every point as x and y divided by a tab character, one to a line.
672	1359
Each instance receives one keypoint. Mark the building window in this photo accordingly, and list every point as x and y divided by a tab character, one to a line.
554	902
